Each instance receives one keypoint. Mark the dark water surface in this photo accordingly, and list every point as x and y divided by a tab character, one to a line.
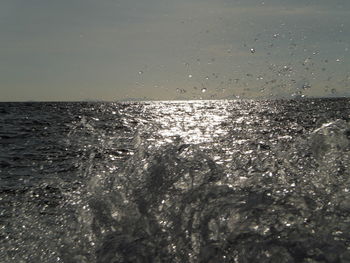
201	181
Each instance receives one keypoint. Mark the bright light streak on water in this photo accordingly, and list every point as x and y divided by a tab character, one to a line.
199	181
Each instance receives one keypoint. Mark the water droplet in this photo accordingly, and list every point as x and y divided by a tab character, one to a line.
207	78
204	90
140	72
338	60
181	90
190	76
307	60
252	50
306	86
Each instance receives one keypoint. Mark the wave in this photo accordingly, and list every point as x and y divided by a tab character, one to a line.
126	198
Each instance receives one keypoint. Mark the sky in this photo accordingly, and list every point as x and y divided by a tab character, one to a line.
72	50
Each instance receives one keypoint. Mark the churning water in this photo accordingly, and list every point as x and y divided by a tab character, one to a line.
200	181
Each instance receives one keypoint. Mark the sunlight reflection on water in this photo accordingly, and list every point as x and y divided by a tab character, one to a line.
193	123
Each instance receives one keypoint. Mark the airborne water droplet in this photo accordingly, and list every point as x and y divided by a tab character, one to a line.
140	72
306	86
252	50
204	90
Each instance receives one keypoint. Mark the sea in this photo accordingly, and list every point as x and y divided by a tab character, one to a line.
175	181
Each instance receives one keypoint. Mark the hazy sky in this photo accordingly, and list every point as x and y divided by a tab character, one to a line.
173	49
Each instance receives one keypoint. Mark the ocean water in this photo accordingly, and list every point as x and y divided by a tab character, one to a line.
198	181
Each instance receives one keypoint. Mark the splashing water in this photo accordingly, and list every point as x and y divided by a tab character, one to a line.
210	181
